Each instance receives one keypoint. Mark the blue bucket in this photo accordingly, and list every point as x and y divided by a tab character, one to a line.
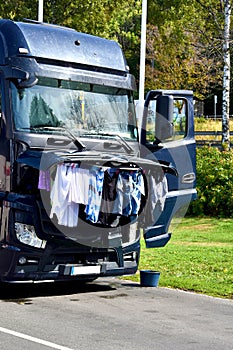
149	278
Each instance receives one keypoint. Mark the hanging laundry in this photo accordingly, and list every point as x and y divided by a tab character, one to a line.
94	194
157	198
65	211
124	189
44	180
130	186
138	191
79	185
106	194
106	216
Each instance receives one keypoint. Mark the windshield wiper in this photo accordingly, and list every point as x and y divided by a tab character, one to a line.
119	138
71	136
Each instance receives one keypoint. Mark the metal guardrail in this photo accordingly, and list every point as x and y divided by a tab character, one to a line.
214	141
213	117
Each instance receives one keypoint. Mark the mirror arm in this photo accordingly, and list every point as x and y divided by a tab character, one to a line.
23	78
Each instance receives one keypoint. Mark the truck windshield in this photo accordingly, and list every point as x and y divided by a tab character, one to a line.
86	109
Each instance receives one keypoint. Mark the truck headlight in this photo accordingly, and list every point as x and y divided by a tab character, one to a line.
26	234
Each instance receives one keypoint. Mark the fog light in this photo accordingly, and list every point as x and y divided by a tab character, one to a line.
26	234
22	260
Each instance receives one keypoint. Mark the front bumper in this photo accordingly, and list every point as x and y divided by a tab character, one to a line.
26	266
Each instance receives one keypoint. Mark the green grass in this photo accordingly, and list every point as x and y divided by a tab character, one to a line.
199	257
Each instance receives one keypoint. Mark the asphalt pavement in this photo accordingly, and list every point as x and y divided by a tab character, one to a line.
112	314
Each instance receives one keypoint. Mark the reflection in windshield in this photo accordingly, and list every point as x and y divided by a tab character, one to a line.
79	107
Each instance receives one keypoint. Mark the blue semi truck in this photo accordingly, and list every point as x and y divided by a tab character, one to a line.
80	183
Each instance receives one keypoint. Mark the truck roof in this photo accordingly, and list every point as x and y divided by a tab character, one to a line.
51	42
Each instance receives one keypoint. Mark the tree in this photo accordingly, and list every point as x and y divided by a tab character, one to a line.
175	62
18	9
226	76
184	39
220	17
180	55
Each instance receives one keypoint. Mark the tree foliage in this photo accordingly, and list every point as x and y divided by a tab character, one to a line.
184	39
184	48
18	9
179	65
114	20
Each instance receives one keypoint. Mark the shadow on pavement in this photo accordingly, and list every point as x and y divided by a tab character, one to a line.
14	292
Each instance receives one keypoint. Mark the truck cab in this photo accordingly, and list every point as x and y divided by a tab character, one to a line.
79	182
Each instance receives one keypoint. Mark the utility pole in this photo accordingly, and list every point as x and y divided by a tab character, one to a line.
40	10
140	105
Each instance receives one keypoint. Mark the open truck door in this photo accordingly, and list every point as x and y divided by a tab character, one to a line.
167	136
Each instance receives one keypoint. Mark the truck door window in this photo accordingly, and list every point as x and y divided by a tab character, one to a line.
179	121
84	108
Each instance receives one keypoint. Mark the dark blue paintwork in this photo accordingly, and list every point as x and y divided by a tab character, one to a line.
58	43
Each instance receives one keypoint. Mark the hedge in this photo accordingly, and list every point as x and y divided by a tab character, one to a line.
214	183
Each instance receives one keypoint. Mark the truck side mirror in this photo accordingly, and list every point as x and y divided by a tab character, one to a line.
164	117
